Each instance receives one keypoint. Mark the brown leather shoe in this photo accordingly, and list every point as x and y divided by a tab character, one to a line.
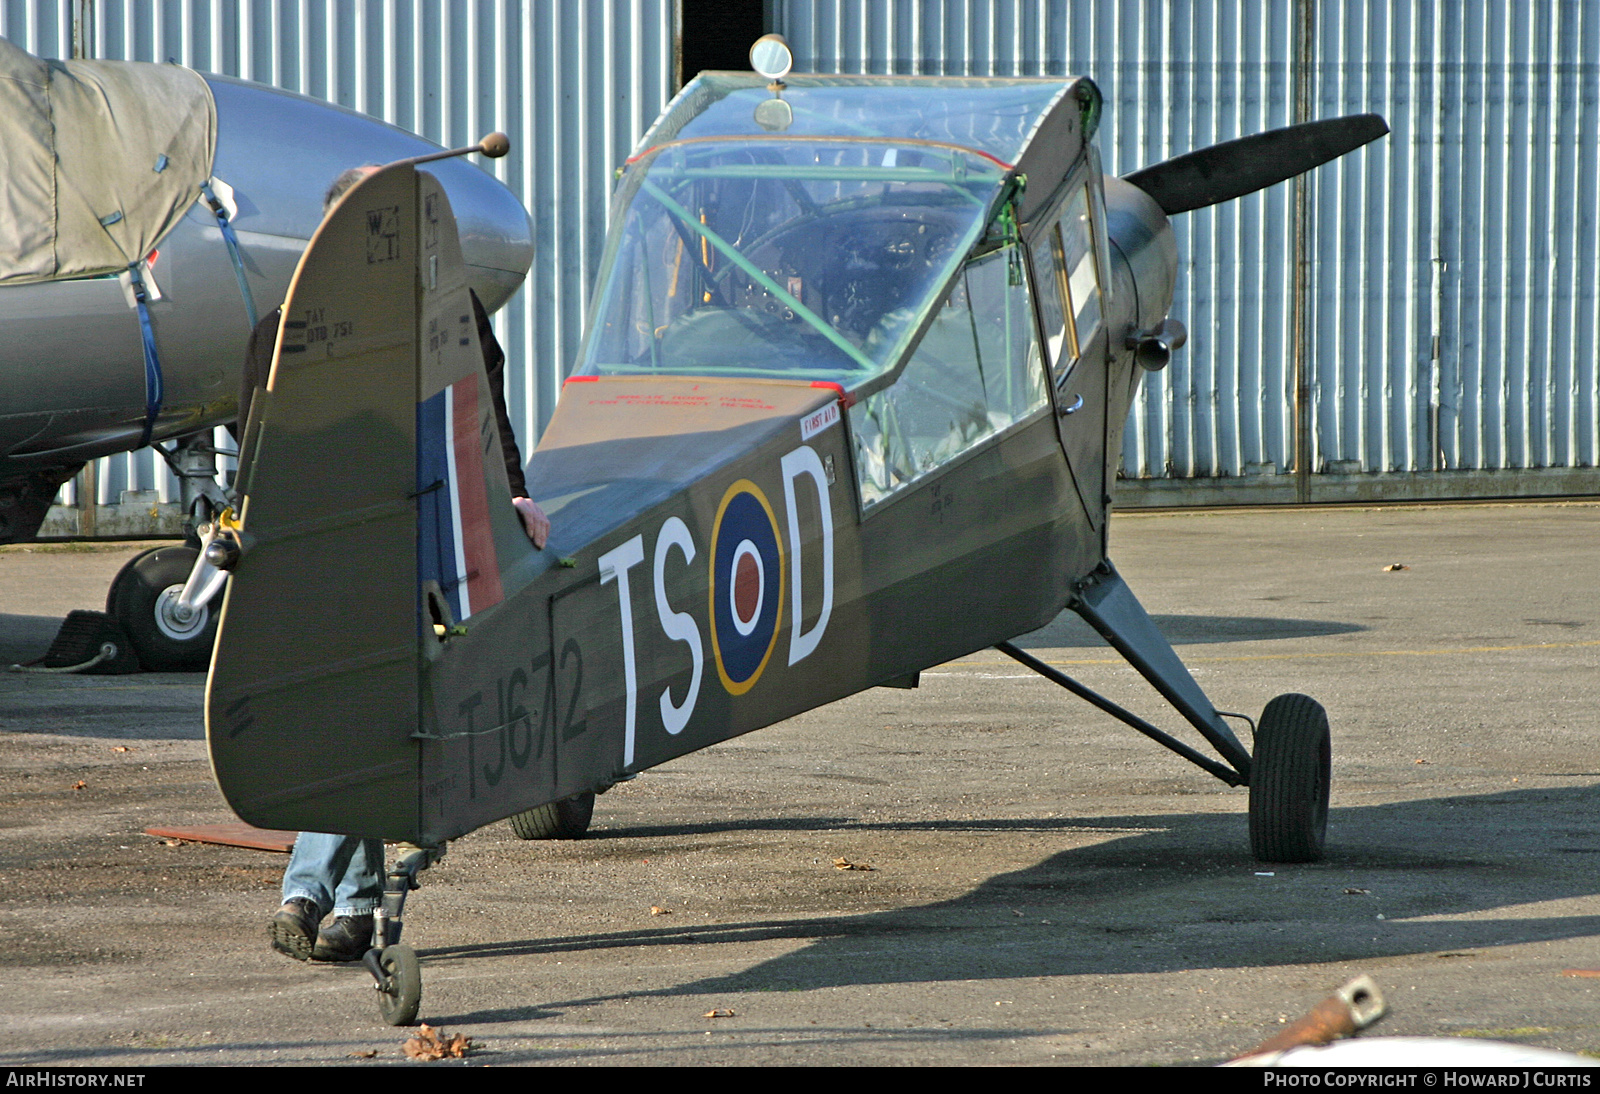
293	930
345	939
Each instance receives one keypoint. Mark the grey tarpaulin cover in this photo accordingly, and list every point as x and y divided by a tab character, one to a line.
98	160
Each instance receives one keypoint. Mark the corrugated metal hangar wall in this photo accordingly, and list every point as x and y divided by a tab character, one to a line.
1446	322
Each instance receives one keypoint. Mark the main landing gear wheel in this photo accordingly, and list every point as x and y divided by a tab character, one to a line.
1289	781
144	601
566	819
400	987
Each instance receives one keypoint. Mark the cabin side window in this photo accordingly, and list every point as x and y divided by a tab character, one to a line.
1078	260
1069	289
1050	278
975	373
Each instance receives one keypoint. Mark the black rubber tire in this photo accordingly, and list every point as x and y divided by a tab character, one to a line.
566	819
135	598
401	997
1289	781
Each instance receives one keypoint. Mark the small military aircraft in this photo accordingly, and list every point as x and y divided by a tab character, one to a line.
149	214
858	352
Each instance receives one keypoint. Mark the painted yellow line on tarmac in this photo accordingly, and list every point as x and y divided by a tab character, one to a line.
1001	659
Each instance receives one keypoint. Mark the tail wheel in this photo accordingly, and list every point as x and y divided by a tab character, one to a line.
400	990
144	601
566	819
1289	781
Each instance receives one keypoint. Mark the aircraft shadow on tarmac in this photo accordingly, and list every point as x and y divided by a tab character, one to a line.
1173	893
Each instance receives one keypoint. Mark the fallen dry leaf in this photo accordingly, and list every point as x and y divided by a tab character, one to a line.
719	1012
846	864
121	748
80	785
428	1044
1357	892
174	842
1393	566
1422	761
656	909
367	1055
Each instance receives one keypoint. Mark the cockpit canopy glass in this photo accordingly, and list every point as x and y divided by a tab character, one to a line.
783	256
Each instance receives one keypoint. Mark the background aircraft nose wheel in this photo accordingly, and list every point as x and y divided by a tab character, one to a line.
1289	781
399	983
566	819
144	600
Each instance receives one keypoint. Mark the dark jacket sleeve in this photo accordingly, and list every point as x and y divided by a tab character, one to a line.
494	363
257	370
257	362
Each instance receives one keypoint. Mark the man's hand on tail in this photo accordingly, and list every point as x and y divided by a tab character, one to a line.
534	522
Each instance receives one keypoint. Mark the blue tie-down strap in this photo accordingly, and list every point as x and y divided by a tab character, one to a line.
152	362
228	237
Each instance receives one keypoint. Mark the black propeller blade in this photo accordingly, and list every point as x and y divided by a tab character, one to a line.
1235	168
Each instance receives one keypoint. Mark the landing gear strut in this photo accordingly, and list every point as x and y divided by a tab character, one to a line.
1288	771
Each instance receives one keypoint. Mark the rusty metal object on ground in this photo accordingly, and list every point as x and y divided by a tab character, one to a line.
1345	1013
233	834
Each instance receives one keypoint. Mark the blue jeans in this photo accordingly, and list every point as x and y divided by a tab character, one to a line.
341	872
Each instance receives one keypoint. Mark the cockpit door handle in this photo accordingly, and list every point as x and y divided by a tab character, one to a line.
1077	405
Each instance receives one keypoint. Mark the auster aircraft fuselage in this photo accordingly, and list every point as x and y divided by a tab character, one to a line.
843	412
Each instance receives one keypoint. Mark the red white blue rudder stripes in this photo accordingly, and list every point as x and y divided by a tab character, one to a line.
455	543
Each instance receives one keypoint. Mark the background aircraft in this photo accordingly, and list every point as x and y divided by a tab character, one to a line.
208	188
857	354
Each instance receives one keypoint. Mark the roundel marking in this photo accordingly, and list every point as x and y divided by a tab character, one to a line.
747	586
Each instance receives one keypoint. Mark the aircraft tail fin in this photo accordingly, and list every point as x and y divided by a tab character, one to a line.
376	505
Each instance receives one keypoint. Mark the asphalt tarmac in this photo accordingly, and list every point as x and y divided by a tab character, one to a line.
1046	886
